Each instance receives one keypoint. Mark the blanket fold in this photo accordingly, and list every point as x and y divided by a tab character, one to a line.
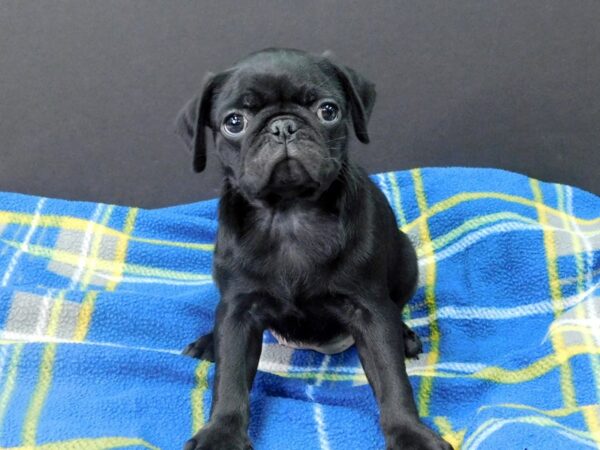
97	301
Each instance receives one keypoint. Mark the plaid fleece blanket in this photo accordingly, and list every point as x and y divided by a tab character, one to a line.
96	302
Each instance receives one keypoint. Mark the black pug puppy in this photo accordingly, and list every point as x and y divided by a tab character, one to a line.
307	246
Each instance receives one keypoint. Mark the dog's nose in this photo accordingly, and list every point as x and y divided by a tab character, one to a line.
283	128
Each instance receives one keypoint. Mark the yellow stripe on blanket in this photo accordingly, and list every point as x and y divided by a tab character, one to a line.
121	252
34	411
78	224
464	197
107	266
424	396
540	367
9	386
566	381
90	268
201	377
85	316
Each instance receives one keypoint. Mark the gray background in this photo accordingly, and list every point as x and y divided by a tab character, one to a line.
89	89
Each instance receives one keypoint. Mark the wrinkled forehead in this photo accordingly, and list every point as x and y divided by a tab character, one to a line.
261	82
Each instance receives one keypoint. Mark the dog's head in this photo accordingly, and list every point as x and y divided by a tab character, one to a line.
280	121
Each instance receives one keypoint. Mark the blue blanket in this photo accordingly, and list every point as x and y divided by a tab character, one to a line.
96	302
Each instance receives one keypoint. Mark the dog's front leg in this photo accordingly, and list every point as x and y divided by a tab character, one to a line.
377	330
238	341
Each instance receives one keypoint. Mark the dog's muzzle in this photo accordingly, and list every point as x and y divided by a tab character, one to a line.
290	161
288	179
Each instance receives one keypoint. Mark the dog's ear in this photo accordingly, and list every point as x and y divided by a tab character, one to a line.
194	118
361	96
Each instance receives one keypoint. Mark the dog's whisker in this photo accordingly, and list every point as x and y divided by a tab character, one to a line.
336	139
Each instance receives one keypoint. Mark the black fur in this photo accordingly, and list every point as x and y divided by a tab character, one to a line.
307	245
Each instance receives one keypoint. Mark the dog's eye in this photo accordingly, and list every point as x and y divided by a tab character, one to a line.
328	112
234	124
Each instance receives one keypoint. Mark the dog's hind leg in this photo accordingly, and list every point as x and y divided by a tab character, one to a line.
412	342
403	285
201	348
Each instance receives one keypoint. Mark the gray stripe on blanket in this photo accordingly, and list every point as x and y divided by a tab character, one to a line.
566	241
30	314
72	241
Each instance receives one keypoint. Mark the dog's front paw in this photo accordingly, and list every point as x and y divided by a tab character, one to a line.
415	437
215	437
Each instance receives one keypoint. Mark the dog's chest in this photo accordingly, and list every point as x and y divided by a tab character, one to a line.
297	242
304	236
